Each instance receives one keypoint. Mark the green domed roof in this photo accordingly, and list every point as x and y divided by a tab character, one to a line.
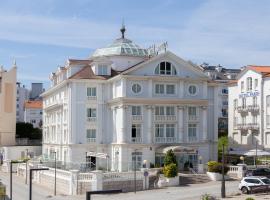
121	47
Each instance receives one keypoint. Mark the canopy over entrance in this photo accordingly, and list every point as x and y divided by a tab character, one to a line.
251	152
177	150
97	155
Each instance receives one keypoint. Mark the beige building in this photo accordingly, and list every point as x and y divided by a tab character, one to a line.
8	106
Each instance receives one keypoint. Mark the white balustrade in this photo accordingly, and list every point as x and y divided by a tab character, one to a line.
165	118
165	140
137	117
136	140
91	140
91	119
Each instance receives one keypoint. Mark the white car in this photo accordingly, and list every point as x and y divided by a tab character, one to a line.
253	184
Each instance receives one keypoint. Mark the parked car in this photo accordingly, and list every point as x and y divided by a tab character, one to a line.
259	172
253	184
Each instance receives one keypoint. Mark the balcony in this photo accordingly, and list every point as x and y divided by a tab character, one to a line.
192	139
253	126
136	117
165	118
91	140
136	140
193	118
91	119
165	140
253	108
54	104
91	98
242	109
242	126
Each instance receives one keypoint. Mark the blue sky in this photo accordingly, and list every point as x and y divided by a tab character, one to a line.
43	34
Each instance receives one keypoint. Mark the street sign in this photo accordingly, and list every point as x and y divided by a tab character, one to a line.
146	173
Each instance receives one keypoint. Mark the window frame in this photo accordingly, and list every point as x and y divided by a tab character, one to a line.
169	69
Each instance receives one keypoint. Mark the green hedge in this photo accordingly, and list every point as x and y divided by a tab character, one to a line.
214	166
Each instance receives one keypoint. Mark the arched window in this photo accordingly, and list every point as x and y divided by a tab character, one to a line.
249	83
165	68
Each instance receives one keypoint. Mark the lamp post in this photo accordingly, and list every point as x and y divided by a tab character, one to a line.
54	173
223	178
256	154
135	168
26	173
243	159
200	159
30	180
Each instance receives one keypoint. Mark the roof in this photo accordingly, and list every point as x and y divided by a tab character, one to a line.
87	73
33	104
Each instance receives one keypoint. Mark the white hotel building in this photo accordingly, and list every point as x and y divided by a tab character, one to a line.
128	105
249	109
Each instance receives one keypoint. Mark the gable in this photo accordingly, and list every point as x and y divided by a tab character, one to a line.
183	68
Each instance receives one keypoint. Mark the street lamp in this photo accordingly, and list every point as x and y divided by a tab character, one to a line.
10	177
243	159
223	177
26	173
30	180
135	168
200	159
54	173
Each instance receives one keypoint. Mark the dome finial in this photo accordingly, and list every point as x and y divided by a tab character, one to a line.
123	29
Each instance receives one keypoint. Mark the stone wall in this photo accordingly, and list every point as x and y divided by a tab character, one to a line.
125	186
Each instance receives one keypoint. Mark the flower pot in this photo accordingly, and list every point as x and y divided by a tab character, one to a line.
216	176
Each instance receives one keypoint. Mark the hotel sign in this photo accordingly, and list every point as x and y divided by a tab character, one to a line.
249	94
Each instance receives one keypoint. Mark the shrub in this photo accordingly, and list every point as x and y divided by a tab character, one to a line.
170	158
216	167
207	197
170	170
250	198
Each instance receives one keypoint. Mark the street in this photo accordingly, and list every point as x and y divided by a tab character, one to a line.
190	192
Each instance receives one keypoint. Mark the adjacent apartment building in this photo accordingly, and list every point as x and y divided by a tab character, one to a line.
33	113
249	109
222	76
7	106
22	96
130	105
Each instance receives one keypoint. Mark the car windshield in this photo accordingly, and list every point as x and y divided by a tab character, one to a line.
266	180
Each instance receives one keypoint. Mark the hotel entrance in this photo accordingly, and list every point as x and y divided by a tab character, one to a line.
186	157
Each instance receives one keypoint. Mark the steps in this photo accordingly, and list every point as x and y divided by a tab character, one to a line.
186	179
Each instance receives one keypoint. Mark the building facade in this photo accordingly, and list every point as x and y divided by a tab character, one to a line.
22	96
7	106
249	109
33	113
222	76
36	91
130	106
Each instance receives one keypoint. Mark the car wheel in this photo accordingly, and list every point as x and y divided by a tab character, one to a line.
244	190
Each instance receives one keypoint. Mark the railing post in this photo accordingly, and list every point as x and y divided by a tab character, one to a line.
73	183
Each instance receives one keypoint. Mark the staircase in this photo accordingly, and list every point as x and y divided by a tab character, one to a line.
186	179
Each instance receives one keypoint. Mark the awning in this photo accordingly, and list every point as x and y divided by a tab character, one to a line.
97	155
177	150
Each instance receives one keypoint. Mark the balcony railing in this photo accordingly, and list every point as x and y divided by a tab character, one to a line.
90	98
55	103
165	118
192	117
165	140
137	117
242	126
253	126
242	109
192	139
91	119
136	140
253	108
91	140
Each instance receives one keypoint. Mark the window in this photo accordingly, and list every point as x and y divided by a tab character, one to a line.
254	119
91	133
170	128
170	110
159	88
159	130
192	111
192	132
136	160
159	110
249	83
254	101
165	68
102	70
192	90
224	91
242	86
256	84
136	131
91	112
136	88
91	92
244	102
136	110
170	89
244	120
235	104
268	101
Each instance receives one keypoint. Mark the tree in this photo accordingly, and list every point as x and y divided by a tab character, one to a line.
170	164
170	158
26	130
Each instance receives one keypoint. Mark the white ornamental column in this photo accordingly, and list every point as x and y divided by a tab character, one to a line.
123	125
181	123
114	130
204	115
150	135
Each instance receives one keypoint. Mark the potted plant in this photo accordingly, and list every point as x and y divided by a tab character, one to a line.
215	171
170	170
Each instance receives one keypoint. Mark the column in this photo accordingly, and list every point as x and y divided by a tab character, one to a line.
150	136
114	137
204	122
123	132
180	123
